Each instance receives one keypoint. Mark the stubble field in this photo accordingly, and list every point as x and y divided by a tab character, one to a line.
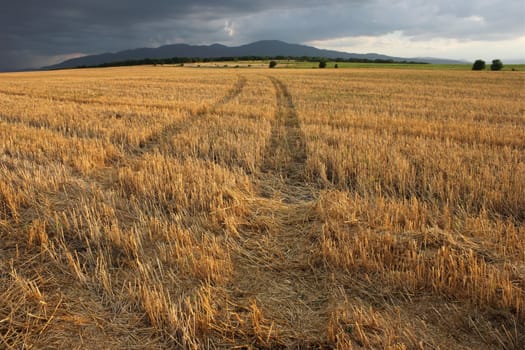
163	207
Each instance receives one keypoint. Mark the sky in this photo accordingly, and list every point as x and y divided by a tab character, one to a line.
35	33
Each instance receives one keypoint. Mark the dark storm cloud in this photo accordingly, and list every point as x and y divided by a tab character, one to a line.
481	20
36	32
32	29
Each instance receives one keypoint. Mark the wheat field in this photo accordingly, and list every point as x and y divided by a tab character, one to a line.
169	207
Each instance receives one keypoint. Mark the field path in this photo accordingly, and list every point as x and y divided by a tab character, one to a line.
162	136
285	157
278	271
234	92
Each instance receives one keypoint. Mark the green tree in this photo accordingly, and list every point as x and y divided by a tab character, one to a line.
336	66
272	64
478	65
496	65
322	64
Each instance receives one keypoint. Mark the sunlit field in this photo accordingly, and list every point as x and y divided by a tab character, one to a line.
173	207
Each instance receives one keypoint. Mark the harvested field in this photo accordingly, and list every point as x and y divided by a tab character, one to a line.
167	207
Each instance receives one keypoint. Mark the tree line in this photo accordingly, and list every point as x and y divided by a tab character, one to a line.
183	60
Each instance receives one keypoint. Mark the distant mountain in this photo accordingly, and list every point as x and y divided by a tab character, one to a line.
514	61
438	60
268	48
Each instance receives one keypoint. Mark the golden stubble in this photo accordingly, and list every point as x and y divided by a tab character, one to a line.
156	207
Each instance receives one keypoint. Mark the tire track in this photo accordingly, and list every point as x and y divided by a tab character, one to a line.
163	136
285	157
286	154
234	92
106	177
276	264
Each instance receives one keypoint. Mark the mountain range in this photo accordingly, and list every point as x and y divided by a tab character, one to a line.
268	48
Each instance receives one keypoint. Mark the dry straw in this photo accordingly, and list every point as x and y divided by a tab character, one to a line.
164	207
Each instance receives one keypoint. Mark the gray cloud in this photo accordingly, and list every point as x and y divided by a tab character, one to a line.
35	32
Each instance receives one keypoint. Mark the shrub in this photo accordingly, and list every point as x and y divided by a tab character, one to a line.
322	64
496	65
478	65
272	64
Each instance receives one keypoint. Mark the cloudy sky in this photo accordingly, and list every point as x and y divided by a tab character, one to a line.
34	33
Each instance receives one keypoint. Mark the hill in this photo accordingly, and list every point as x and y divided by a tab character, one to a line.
260	48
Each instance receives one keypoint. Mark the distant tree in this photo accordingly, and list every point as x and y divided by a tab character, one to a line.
322	64
272	64
496	65
336	66
478	65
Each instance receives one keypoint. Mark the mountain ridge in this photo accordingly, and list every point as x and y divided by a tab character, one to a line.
263	48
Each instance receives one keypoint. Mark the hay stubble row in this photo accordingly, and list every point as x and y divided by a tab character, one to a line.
168	207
